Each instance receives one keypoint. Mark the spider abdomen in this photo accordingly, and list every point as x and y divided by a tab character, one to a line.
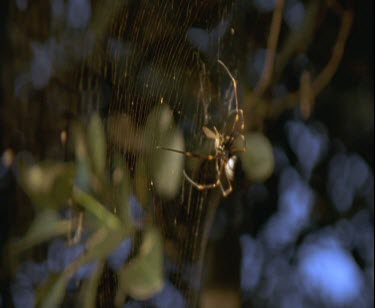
230	166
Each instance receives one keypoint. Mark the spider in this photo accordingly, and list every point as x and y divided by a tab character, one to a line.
225	147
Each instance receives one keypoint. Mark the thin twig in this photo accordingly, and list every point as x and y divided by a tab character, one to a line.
326	75
299	39
273	38
307	99
338	50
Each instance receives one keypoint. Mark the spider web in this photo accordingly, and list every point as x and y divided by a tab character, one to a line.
161	54
136	63
150	68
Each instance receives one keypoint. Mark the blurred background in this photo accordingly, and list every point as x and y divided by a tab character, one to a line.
91	89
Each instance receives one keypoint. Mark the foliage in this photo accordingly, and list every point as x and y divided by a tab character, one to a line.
102	198
301	195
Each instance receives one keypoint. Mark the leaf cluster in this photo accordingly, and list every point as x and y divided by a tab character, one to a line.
103	219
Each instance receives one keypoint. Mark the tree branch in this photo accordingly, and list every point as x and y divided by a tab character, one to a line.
338	50
325	76
273	38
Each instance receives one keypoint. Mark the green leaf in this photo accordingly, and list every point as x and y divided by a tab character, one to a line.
159	122
258	160
42	290
55	290
46	225
84	172
167	166
48	184
97	142
94	207
121	191
80	146
98	247
90	287
142	277
102	243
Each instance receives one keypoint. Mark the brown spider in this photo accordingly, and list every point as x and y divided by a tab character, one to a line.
225	147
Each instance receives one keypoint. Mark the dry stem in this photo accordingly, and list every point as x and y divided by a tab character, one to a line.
273	38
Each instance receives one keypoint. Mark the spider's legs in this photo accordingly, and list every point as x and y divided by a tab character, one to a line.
240	119
241	149
217	166
238	123
206	186
189	154
233	81
227	191
209	133
201	186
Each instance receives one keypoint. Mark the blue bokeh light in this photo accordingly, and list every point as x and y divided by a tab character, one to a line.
251	262
199	38
119	256
348	176
168	297
36	272
294	14
41	68
30	275
279	282
60	255
23	296
295	205
308	142
206	41
85	271
329	272
79	13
